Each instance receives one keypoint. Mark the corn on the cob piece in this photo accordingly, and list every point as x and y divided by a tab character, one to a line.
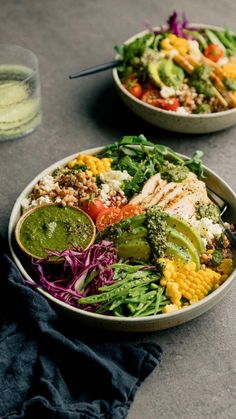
182	280
172	41
229	70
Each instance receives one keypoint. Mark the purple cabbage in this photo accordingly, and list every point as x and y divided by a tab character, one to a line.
174	25
66	281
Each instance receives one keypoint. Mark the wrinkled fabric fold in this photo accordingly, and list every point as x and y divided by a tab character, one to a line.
50	369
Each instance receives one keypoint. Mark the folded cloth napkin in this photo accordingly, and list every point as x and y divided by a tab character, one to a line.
50	369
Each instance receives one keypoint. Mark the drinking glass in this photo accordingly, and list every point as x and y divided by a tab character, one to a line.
20	97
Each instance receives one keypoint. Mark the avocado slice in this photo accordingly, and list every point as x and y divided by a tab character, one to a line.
170	74
177	252
136	233
165	73
181	240
185	228
153	72
138	249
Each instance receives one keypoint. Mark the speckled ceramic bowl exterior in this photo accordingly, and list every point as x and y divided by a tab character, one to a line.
124	324
189	124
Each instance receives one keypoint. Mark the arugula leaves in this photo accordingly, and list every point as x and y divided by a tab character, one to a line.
144	161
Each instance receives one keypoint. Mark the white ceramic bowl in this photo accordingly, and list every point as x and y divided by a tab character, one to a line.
191	124
124	324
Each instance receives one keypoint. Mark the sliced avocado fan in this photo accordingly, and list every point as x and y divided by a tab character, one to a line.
182	241
185	228
165	73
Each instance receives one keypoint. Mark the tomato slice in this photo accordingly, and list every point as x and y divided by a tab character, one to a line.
170	104
152	97
131	210
107	217
136	90
213	52
92	208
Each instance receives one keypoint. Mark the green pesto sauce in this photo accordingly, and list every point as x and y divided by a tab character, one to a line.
55	228
157	230
208	210
173	173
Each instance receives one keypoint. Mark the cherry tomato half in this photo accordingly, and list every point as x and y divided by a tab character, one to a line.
152	97
92	208
213	52
131	210
136	90
107	217
133	86
169	104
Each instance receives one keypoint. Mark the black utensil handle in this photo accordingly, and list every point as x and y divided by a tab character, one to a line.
95	69
231	237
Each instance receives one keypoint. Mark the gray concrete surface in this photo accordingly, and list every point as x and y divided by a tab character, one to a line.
197	377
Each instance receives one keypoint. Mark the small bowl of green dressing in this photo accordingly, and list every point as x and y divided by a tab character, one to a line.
53	227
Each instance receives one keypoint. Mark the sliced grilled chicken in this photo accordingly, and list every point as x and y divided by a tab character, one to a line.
157	194
169	193
148	189
175	198
185	206
182	199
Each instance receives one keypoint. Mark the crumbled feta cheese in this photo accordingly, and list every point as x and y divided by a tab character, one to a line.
40	201
172	53
167	92
194	50
48	183
207	229
222	61
27	203
51	228
181	111
111	185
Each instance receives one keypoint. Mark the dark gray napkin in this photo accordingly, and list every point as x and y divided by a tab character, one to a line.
49	369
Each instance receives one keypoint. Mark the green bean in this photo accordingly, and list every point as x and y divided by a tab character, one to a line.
154	286
131	307
158	299
129	277
127	268
116	303
118	312
142	309
114	293
103	308
150	312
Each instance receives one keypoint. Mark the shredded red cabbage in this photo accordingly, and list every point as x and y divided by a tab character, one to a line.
67	281
177	26
174	25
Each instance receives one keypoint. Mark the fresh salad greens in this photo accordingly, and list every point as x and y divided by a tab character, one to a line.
143	162
181	68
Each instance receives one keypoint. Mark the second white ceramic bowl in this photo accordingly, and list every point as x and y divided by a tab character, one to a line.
191	124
